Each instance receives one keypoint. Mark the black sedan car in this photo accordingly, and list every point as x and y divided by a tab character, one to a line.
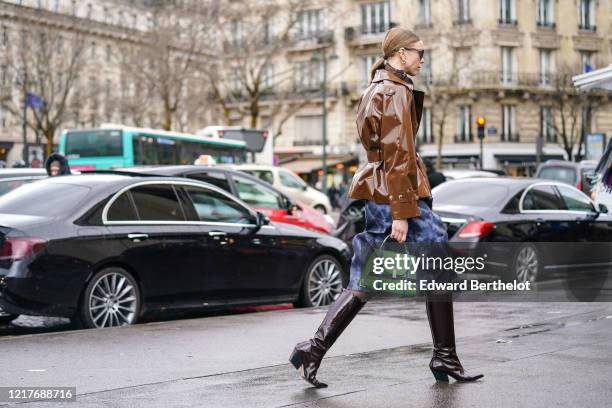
538	226
104	249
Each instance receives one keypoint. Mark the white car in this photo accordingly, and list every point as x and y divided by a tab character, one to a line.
454	174
290	184
601	193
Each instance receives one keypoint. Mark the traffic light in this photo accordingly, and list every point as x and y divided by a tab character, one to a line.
480	121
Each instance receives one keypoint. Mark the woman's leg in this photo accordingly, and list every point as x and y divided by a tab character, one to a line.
444	361
307	355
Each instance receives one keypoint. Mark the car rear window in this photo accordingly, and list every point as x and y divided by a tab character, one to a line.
470	193
559	173
43	199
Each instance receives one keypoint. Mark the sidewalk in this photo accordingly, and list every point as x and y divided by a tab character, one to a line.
562	362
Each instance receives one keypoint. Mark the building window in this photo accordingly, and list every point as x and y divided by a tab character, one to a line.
366	63
546	67
308	130
547	129
236	33
309	75
507	12
109	53
463	11
74	7
89	10
508	132
427	67
310	23
546	13
586	60
375	17
105	15
4	35
93	49
464	120
2	118
425	134
587	15
424	12
508	76
268	77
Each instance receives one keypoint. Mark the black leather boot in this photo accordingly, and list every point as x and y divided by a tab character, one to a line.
441	322
307	355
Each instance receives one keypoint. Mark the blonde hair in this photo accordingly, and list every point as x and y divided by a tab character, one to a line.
395	39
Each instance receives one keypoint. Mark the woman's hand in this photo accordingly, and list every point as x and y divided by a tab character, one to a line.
399	230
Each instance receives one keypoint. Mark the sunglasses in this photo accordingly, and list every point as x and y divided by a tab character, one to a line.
421	52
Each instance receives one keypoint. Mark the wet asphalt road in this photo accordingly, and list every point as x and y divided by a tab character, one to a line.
532	355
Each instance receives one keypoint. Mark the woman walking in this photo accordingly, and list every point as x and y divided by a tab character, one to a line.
394	181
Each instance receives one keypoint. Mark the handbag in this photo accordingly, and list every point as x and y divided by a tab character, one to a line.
383	273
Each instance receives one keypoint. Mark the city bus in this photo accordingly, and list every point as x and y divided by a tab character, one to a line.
120	146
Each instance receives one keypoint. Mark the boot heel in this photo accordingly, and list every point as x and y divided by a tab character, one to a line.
440	376
296	359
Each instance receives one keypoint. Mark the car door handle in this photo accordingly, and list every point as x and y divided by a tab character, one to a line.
217	233
138	237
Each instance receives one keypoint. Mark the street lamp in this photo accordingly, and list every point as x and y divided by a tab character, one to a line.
321	55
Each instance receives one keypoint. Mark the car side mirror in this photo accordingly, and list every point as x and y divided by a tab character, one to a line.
262	219
603	208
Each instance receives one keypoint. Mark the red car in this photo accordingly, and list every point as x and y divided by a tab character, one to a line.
257	193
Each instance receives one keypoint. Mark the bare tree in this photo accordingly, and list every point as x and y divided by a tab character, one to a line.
44	65
568	105
455	80
162	62
254	35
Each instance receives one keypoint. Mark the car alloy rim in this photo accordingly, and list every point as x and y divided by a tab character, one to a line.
526	265
325	282
112	301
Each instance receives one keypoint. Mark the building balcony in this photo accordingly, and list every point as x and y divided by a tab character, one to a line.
424	26
463	138
587	27
546	24
509	137
366	35
311	41
507	22
462	22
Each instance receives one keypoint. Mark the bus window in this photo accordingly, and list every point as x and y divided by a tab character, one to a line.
94	143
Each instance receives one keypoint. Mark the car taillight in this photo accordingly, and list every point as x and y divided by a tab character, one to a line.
476	229
579	185
15	249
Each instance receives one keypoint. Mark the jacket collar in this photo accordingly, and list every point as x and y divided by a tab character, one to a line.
382	74
419	96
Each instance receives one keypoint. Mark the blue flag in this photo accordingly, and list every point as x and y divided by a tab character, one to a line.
34	101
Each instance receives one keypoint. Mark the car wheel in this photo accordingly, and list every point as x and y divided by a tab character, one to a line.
320	208
527	264
111	298
323	282
6	318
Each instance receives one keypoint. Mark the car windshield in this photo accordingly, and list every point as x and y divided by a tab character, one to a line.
44	199
469	193
559	173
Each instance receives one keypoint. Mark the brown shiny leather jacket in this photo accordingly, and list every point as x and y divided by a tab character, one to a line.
388	117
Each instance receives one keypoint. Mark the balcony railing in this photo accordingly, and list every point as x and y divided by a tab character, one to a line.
370	32
423	26
462	21
463	138
507	21
307	142
313	39
509	137
587	27
546	24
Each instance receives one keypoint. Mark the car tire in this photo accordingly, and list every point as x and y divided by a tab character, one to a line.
111	298
6	318
320	208
527	264
322	283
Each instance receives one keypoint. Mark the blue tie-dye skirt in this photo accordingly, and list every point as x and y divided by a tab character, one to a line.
426	235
